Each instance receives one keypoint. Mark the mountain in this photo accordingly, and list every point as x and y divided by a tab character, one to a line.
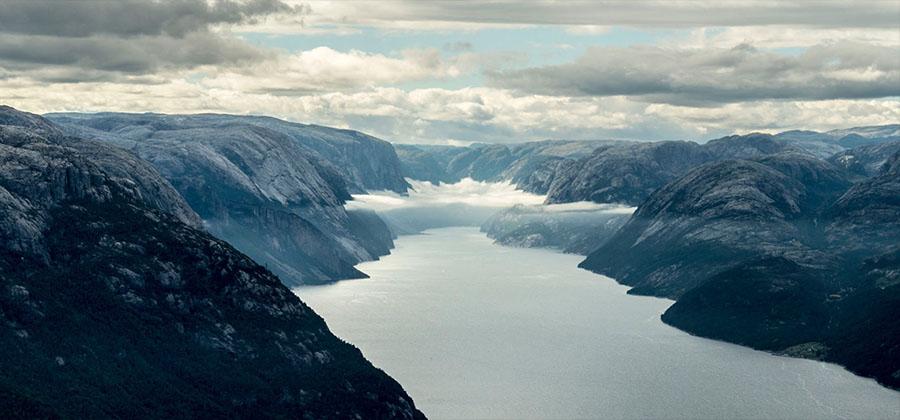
628	173
782	253
624	173
114	304
831	142
866	161
866	218
531	166
697	225
275	190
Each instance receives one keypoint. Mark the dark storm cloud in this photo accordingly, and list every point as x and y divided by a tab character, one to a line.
708	76
82	18
135	55
95	40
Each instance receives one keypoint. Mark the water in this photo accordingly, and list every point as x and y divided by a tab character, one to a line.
476	330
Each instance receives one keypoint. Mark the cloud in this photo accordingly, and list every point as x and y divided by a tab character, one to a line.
781	37
467	192
323	69
80	57
90	40
177	18
435	15
585	207
465	115
716	75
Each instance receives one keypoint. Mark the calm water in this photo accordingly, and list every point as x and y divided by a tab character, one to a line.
476	330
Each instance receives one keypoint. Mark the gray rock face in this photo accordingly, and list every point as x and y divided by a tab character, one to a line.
694	227
110	292
867	216
831	142
772	253
625	173
272	189
866	161
40	167
629	172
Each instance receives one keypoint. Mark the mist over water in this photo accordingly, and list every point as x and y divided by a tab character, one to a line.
476	330
465	203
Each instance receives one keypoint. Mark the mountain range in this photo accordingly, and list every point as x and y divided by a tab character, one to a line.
146	258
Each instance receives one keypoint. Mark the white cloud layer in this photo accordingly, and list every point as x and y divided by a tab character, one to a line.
184	57
468	192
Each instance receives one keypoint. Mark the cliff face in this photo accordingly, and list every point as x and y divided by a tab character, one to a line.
114	304
776	253
271	188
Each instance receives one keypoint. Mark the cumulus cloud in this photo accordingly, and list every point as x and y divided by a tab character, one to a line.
742	73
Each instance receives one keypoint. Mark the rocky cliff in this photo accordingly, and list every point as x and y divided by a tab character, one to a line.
777	253
275	190
113	304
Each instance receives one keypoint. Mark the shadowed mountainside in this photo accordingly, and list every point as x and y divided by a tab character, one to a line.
114	304
782	253
275	190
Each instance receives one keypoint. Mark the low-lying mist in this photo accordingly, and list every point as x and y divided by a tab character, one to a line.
465	203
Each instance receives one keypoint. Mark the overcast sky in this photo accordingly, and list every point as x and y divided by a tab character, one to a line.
457	72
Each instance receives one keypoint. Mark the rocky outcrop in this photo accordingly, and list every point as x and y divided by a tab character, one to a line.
866	161
867	217
275	190
113	304
777	253
698	225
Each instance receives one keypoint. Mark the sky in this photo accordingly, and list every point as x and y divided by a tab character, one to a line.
454	72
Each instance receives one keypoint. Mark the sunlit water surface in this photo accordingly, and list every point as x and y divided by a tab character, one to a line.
476	330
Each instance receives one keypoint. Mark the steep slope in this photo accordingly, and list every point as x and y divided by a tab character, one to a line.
625	173
114	305
866	218
866	161
272	189
717	214
780	253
